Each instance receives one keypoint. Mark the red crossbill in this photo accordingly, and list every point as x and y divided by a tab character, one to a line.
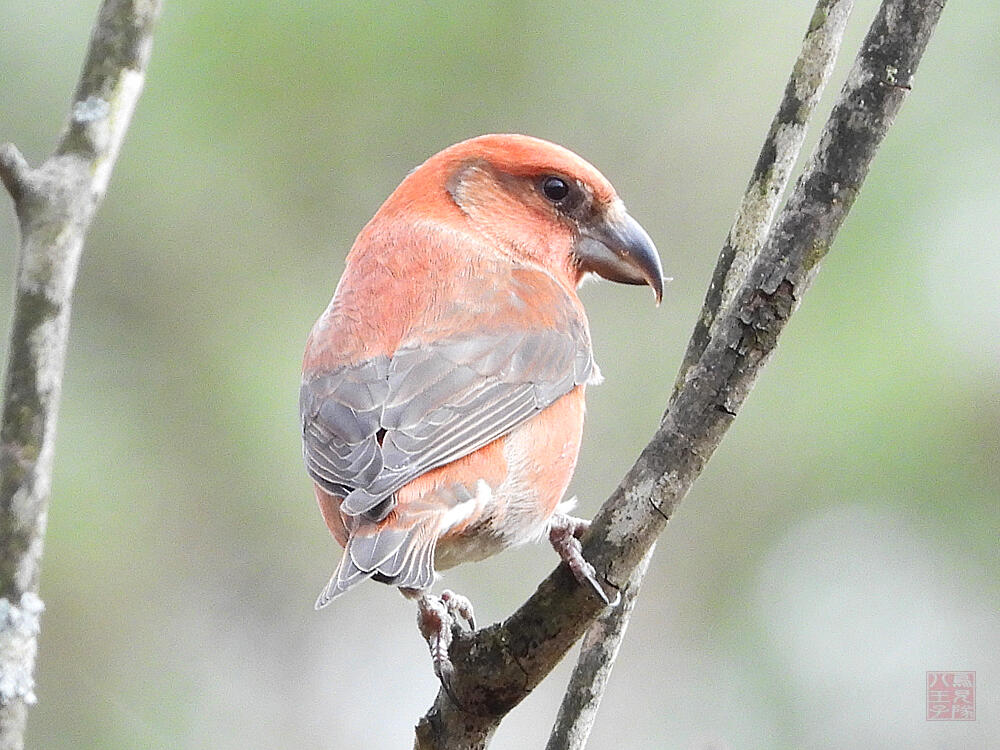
442	396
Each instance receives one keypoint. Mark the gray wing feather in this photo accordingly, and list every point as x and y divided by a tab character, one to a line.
371	427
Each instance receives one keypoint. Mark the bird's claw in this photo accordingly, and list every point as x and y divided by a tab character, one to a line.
436	618
460	607
564	535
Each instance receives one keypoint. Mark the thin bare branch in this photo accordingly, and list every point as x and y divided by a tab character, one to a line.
754	217
598	652
55	205
496	667
774	166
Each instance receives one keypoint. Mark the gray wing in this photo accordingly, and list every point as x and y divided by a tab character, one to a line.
369	428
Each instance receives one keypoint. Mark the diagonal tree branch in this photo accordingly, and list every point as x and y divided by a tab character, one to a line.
497	667
770	176
55	205
598	652
756	213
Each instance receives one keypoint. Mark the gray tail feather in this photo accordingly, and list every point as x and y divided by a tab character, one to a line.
404	559
344	577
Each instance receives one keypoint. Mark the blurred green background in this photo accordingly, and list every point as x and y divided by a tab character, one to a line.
842	541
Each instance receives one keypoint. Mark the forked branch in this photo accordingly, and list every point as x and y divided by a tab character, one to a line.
753	221
55	204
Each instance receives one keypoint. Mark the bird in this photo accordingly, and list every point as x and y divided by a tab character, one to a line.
442	394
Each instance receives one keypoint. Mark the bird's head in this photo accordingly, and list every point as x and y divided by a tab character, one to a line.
537	202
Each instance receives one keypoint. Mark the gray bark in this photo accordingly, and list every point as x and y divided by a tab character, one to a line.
55	205
753	221
598	652
774	166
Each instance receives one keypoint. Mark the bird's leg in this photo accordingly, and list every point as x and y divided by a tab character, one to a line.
434	621
564	534
436	616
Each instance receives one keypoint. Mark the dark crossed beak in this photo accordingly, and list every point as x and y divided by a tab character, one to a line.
618	249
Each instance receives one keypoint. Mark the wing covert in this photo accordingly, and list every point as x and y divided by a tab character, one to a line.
371	427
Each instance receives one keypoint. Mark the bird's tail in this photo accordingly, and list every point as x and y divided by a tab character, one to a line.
401	557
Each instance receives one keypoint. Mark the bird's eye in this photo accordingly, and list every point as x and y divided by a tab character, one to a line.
555	189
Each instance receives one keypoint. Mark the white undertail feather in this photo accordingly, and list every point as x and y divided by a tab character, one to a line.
470	508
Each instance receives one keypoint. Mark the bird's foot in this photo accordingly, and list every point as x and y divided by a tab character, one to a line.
564	534
460	607
436	618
